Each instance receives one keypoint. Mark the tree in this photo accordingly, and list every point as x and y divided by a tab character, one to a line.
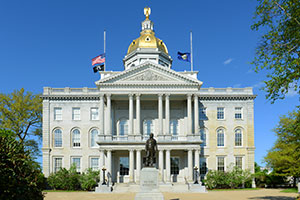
279	49
284	157
21	113
21	177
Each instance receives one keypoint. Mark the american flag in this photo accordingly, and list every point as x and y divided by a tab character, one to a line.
99	59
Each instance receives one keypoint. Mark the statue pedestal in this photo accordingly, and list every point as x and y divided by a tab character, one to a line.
149	185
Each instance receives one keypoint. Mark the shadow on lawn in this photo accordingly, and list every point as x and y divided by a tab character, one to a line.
274	198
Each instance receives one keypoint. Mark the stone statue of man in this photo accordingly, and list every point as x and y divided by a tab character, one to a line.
151	149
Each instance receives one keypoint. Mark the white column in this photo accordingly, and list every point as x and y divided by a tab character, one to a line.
101	165
168	165
130	125
167	127
131	165
108	163
108	121
197	161
160	114
138	114
189	113
196	114
138	165
161	164
190	165
101	113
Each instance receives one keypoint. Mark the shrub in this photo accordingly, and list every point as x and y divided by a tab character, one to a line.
89	179
233	178
70	180
21	177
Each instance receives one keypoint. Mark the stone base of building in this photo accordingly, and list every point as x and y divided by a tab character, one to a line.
197	188
103	189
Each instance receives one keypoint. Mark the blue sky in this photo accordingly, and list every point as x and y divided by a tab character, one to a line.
51	43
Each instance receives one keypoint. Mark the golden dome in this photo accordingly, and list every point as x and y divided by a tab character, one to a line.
147	37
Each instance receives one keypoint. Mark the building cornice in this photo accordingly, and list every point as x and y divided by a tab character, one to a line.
71	97
226	97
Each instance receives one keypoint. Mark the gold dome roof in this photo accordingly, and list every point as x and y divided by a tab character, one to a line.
147	37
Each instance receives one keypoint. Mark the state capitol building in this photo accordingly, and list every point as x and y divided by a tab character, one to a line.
107	126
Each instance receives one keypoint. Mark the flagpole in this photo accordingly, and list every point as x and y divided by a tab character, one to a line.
191	40
104	48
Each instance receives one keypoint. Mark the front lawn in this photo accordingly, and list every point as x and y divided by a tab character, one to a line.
290	190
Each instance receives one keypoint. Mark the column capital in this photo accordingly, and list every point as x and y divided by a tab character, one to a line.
101	95
196	96
189	96
167	95
131	150
138	95
160	95
130	95
108	95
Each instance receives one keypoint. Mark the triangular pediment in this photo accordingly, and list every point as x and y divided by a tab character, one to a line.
147	73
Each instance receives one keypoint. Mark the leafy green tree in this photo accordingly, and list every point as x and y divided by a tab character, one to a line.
284	157
279	48
21	177
89	179
21	113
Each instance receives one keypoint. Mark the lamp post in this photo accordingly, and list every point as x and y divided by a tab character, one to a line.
104	169
196	175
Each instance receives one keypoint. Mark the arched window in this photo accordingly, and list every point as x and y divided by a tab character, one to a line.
76	138
203	136
148	126
58	138
94	135
174	126
238	137
123	127
220	137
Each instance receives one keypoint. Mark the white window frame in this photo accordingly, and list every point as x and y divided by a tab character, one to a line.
126	127
73	139
91	166
224	136
146	128
217	163
91	138
93	116
218	113
242	160
237	111
80	163
54	163
76	116
241	137
57	116
54	138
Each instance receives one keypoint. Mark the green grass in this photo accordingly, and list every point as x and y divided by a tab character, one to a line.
235	189
290	190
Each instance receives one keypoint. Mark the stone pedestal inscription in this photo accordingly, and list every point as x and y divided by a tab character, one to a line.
149	185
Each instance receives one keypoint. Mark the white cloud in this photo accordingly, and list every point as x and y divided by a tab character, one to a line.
292	92
258	85
228	61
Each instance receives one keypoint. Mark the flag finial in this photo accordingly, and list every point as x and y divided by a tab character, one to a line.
147	12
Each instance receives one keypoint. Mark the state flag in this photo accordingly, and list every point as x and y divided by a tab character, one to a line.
184	56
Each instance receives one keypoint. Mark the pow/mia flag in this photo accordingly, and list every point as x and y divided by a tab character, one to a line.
98	68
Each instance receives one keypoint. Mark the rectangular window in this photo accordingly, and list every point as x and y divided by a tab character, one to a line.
94	114
202	113
95	164
57	164
203	136
220	113
221	163
174	165
239	162
76	161
203	166
76	113
57	114
238	113
124	166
